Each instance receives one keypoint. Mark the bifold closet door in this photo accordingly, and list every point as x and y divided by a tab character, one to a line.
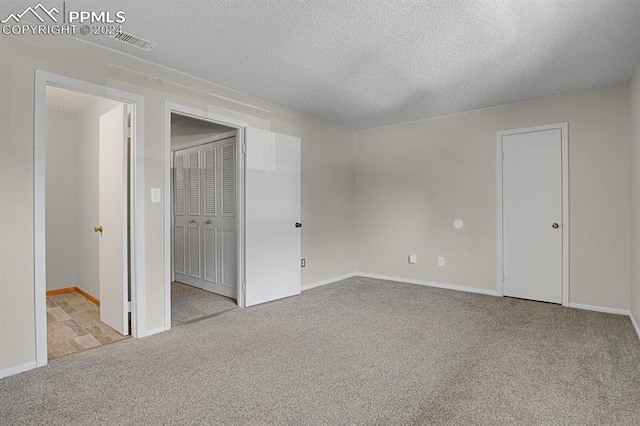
187	214
219	218
204	221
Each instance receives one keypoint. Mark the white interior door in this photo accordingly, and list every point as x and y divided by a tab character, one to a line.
114	281
272	212
532	215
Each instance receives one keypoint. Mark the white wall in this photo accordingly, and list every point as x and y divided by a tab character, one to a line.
328	174
72	188
61	219
415	179
635	195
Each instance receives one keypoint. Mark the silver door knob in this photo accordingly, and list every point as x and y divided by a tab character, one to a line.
555	225
208	222
192	221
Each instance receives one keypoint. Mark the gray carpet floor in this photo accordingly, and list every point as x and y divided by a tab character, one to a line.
358	352
189	304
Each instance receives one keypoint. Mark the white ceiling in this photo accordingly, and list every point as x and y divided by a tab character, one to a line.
185	130
66	100
368	63
186	126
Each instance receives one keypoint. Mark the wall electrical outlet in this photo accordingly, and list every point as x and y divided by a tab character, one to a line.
413	258
303	262
441	261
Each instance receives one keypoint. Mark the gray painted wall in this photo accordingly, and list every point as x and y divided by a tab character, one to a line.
72	189
635	194
415	179
87	190
328	172
61	200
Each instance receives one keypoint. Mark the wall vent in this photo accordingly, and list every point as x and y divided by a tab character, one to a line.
134	41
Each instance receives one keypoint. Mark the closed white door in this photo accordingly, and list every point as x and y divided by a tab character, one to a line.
114	281
272	216
532	215
205	212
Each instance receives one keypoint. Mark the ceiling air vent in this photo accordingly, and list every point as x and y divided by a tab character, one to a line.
134	41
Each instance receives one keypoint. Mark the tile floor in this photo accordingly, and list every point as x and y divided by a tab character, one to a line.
73	325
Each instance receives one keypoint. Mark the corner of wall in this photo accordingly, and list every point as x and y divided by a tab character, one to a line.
354	235
634	147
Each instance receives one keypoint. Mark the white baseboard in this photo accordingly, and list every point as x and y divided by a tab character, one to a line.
152	332
456	287
635	325
599	309
18	369
328	281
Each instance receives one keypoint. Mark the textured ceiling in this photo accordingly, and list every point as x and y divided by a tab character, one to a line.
368	63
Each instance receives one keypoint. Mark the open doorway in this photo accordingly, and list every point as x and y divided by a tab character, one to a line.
267	213
204	215
87	221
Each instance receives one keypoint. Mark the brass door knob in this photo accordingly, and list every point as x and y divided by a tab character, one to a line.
97	229
555	226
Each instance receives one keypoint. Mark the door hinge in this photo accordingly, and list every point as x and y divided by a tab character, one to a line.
129	306
502	277
244	286
503	155
244	149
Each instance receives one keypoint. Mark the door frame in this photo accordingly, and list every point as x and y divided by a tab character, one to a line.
564	135
240	126
136	201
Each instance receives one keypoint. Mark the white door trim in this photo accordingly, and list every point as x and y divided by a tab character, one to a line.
136	204
240	126
203	141
564	129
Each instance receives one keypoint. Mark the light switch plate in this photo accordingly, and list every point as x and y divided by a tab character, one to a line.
155	195
413	258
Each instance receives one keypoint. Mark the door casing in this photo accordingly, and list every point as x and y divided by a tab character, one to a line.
136	202
564	129
240	127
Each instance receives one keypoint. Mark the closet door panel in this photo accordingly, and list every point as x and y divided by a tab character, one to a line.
228	257
179	185
210	181
210	255
228	179
179	249
194	184
194	252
